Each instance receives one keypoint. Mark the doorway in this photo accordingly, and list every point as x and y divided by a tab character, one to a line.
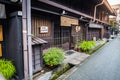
62	37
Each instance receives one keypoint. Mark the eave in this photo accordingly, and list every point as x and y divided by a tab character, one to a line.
64	8
51	3
109	7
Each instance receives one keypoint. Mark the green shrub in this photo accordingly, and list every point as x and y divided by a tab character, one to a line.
93	43
7	68
53	56
87	45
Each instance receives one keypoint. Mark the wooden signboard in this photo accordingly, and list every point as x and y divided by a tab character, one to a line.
1	33
0	50
44	29
74	21
66	21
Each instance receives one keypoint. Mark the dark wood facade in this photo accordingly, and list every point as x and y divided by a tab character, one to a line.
57	36
47	13
38	22
83	10
46	24
50	11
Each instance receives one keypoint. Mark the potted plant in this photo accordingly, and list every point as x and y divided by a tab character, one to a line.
76	48
87	45
7	69
53	56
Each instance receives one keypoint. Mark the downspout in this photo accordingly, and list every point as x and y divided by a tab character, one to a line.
29	37
24	30
96	10
27	47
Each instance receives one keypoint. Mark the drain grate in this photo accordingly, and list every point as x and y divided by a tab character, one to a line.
70	52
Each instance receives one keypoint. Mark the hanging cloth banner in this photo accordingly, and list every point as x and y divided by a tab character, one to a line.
2	11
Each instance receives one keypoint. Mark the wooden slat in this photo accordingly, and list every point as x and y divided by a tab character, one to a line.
37	22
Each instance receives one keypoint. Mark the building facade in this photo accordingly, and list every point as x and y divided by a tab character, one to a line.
57	23
117	10
64	23
61	19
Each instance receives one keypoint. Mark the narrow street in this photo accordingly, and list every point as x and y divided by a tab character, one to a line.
102	65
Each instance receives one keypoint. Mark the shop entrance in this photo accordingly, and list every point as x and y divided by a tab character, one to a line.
62	37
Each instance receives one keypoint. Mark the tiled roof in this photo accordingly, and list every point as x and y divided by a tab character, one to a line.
37	40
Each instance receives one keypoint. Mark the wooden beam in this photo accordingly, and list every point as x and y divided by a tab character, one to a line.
39	9
109	7
64	8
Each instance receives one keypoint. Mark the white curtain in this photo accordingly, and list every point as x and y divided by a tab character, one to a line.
2	11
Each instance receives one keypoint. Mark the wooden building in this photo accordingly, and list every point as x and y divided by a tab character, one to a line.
11	35
61	23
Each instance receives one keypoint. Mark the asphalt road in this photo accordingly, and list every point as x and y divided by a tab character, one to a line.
102	65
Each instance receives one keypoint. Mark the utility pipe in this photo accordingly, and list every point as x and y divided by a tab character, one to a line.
29	37
24	30
96	8
27	47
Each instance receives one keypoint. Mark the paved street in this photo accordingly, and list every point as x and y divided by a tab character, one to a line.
102	65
